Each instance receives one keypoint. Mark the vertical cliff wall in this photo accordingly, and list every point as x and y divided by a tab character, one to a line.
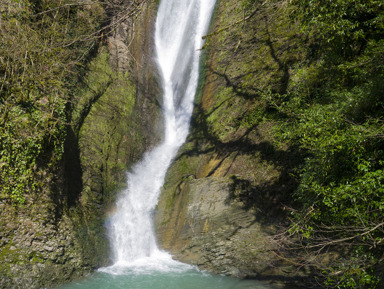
284	156
58	233
224	195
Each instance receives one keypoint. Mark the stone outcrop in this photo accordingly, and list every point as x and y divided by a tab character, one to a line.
38	250
212	229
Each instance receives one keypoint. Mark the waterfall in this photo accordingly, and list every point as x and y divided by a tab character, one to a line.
180	25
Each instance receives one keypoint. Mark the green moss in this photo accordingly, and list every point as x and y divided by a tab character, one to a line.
96	82
10	255
104	133
38	75
109	139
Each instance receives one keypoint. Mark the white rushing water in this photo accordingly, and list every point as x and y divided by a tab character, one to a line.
180	25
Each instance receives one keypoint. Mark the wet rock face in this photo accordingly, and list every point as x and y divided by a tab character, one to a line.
131	49
213	231
223	198
38	252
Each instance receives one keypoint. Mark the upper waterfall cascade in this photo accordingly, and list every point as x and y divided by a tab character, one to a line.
180	25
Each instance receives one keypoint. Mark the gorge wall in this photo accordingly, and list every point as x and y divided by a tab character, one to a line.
224	196
58	234
222	200
281	176
284	156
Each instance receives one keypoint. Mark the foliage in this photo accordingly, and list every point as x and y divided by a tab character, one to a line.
38	60
342	21
333	111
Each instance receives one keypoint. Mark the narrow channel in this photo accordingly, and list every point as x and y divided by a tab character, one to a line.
137	260
180	26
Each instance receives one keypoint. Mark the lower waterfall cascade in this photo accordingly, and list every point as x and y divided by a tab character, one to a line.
180	26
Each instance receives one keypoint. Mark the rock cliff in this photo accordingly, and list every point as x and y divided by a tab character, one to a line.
224	196
58	234
286	116
282	173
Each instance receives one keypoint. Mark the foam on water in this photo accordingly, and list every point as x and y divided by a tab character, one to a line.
162	262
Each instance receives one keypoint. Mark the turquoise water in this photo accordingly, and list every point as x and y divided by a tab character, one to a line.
189	279
160	273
